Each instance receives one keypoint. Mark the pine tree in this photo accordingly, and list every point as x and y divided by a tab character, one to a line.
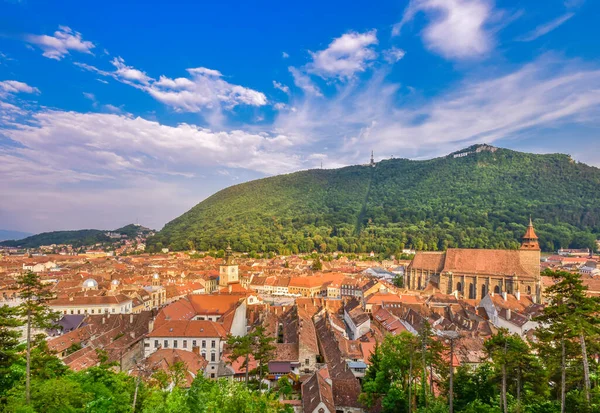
263	348
570	315
9	340
37	314
241	346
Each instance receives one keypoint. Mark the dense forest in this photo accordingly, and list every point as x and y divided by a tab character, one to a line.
75	238
481	200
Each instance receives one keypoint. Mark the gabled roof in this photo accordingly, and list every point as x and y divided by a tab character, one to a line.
484	261
191	328
314	391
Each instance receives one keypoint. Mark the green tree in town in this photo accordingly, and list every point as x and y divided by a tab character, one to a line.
317	265
36	312
9	341
570	315
263	349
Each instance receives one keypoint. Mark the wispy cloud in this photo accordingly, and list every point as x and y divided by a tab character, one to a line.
393	55
61	43
203	89
285	89
546	28
456	28
345	56
14	86
543	94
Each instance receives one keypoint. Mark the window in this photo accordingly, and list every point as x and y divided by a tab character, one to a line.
213	356
184	343
174	343
212	375
113	310
204	355
92	311
78	311
194	343
166	344
307	362
155	343
203	343
213	344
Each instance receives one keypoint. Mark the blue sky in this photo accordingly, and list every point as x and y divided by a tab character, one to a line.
119	112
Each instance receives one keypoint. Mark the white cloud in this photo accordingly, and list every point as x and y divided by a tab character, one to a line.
14	86
303	82
110	144
58	46
456	28
284	88
204	89
284	55
128	72
546	28
345	56
393	54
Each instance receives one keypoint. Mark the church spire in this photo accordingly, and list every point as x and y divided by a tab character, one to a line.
530	239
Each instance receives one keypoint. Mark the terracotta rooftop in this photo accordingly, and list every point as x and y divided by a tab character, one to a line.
192	328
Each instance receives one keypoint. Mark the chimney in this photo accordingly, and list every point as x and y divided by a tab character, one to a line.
151	324
131	318
508	314
504	295
103	320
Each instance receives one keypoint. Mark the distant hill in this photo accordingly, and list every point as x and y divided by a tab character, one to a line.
13	235
480	197
75	238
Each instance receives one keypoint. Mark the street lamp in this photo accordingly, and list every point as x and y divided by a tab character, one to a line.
450	336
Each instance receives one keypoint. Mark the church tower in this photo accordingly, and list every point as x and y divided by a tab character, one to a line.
530	256
228	271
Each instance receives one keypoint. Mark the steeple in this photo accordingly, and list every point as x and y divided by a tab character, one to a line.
228	255
530	239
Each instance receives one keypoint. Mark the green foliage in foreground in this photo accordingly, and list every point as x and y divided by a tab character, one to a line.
482	200
100	389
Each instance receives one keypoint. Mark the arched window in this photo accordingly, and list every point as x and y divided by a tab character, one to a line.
472	291
529	290
497	289
483	291
459	287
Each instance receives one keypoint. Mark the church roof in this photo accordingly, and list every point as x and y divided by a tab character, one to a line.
429	261
472	261
484	261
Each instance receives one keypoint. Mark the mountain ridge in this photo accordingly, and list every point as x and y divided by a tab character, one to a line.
479	197
74	237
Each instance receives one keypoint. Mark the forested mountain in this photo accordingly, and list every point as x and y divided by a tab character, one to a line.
76	238
480	197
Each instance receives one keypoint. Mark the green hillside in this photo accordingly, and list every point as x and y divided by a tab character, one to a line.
482	200
75	238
